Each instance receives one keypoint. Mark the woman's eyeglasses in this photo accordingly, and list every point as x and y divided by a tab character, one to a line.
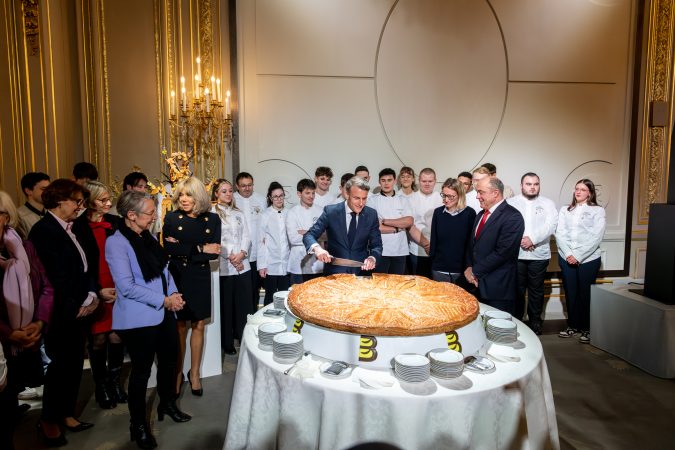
448	197
278	197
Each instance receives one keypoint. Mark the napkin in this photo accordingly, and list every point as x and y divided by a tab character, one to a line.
305	368
259	319
371	378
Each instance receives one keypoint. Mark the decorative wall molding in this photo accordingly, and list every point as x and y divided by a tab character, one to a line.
31	25
655	141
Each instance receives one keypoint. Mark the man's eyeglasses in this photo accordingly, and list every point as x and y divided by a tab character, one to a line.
448	197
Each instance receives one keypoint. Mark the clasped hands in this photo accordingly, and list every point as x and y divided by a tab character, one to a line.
470	277
174	302
27	336
236	260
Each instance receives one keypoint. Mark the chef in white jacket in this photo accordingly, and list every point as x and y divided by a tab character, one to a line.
541	217
301	217
273	248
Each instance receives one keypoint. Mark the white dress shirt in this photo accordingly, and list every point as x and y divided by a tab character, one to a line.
580	232
422	207
273	248
252	207
472	201
301	218
541	218
394	207
234	237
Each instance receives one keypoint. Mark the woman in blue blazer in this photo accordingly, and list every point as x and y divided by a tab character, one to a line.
144	312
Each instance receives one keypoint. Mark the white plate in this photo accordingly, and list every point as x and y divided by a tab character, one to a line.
493	314
411	360
272	327
445	355
287	338
501	325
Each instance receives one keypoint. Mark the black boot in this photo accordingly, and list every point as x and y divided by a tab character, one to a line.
142	435
171	409
115	360
97	360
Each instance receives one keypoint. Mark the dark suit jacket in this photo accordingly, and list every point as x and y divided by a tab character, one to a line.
64	266
494	255
367	242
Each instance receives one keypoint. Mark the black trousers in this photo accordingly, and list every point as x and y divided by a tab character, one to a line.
275	283
64	343
235	304
420	265
297	278
531	275
391	264
256	284
143	344
577	281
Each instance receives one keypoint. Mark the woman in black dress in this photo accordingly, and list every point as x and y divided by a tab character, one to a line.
192	238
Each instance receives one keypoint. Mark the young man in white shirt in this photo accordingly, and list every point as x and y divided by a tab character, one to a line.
541	219
422	204
300	218
323	177
252	205
32	185
393	211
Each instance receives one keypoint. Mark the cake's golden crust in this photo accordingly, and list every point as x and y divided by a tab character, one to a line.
386	305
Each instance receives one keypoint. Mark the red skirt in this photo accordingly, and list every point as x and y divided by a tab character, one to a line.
102	318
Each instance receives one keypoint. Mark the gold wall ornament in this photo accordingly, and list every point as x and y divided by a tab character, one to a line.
658	87
31	25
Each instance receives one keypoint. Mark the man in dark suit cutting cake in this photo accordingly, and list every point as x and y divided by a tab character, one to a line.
492	257
353	231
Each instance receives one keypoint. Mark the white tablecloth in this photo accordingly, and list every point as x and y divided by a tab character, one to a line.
507	409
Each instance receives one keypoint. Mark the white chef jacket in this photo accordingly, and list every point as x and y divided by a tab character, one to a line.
329	198
252	208
580	232
234	237
273	248
394	207
301	218
541	219
421	205
472	201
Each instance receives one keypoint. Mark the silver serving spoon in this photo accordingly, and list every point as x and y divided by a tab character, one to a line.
287	371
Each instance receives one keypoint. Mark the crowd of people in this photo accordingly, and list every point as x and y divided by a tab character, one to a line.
79	273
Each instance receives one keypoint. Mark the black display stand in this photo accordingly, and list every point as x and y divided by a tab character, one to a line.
660	264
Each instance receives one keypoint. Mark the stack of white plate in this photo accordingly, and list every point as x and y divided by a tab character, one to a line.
495	314
279	298
502	331
412	367
287	347
266	333
446	363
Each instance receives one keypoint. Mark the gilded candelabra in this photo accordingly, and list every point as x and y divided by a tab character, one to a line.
202	128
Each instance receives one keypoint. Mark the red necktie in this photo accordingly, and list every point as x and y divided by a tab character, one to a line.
482	222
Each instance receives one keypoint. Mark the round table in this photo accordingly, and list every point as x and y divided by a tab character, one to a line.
511	407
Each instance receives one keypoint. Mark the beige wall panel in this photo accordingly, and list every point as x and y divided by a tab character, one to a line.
566	40
132	84
441	100
342	131
328	37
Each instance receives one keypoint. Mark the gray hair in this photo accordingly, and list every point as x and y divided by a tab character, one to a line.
358	182
496	183
132	201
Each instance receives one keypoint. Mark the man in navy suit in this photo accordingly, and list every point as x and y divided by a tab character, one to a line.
352	228
492	257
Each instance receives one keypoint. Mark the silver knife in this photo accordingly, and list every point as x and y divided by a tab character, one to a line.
346	262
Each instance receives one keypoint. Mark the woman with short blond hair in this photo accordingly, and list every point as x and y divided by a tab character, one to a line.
192	238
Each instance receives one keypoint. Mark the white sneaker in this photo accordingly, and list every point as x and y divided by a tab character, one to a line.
28	394
567	333
585	337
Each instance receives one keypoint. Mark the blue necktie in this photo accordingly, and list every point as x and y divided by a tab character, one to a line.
351	232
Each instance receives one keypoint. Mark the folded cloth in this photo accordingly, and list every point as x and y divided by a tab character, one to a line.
259	319
372	378
306	367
